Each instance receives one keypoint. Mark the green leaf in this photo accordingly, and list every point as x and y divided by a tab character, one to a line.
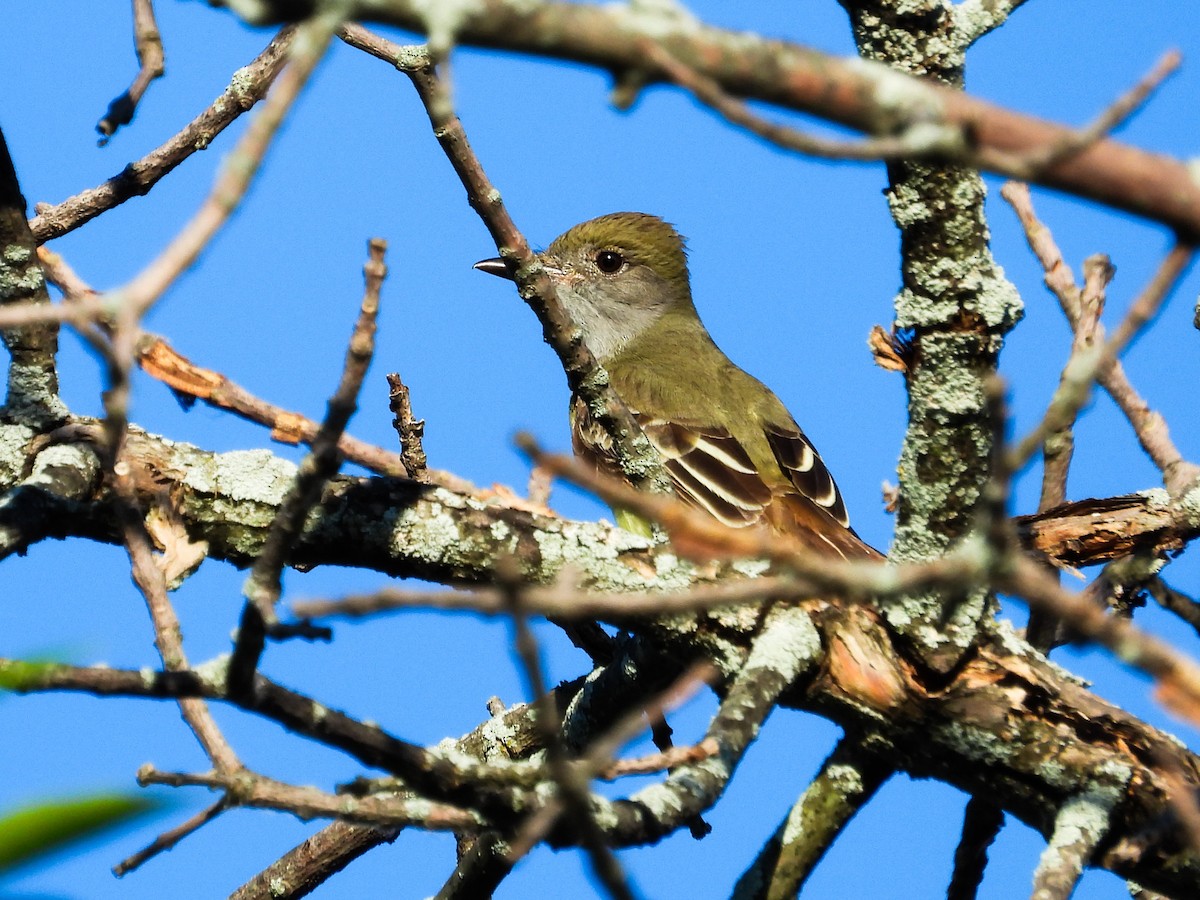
40	828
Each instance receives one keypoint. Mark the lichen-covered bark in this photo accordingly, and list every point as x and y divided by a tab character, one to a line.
958	306
1007	722
32	377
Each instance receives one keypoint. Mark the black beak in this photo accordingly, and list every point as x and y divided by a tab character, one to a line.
494	266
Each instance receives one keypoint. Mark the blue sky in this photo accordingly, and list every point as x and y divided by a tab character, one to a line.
793	260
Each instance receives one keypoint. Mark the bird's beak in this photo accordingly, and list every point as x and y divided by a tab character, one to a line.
494	266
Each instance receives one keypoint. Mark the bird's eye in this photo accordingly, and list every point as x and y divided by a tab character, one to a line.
609	261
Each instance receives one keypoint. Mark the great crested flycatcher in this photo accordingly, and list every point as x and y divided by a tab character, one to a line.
728	444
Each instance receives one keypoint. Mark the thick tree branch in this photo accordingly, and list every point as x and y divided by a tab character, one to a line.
32	372
866	97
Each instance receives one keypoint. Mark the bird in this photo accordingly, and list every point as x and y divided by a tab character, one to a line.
728	444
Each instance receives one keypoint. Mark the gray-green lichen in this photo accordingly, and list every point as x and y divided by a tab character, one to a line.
914	615
214	672
14	441
847	778
1081	823
79	460
255	475
900	102
977	744
665	801
424	535
789	645
241	88
658	18
444	19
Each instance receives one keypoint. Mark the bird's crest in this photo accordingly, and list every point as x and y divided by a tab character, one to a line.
643	239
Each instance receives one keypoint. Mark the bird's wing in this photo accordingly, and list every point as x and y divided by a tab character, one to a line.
800	463
711	470
815	512
707	467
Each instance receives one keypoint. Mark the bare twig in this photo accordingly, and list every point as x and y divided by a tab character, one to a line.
982	821
1150	427
1089	363
637	458
134	300
313	861
264	585
1058	447
1043	630
247	788
572	787
152	65
1173	601
408	427
248	86
168	635
1033	164
564	601
171	837
162	361
137	296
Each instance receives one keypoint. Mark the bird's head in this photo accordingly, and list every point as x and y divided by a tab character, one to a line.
616	275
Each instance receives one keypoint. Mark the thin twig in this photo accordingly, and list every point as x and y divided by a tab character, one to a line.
599	760
1176	602
152	65
168	635
168	839
1148	425
564	601
137	296
1032	165
314	861
638	460
409	428
264	585
982	821
787	646
251	789
248	86
1084	367
1059	445
1042	629
572	787
162	361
